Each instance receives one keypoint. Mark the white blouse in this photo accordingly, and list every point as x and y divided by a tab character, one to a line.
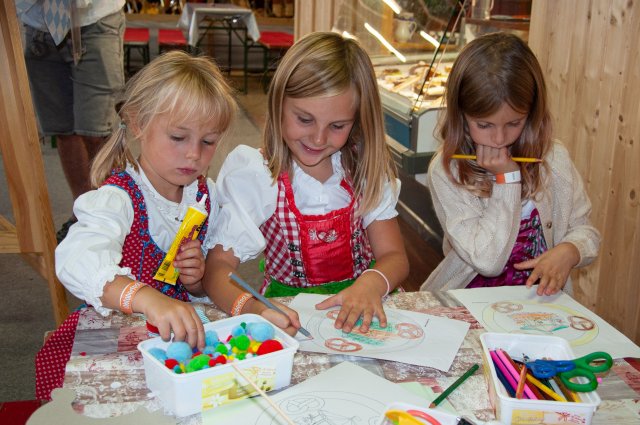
88	257
248	197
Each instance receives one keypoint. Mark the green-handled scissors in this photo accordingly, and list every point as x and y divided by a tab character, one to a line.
568	369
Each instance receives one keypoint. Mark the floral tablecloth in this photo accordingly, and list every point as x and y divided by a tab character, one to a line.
106	370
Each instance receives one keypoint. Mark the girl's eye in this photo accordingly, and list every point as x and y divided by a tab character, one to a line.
339	126
304	120
177	138
515	124
483	125
209	142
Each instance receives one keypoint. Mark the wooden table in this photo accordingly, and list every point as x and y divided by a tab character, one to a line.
106	370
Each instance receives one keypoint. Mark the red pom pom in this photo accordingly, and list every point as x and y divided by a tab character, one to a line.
171	363
221	360
269	346
212	362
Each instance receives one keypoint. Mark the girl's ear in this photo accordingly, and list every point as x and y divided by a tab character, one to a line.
134	127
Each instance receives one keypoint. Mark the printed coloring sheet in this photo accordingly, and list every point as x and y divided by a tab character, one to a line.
409	337
518	309
344	394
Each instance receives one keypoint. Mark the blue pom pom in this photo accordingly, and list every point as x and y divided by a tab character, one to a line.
237	331
261	331
209	349
180	350
158	353
211	337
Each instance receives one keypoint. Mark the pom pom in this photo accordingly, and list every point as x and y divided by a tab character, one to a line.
222	349
198	362
269	346
180	350
211	337
171	363
238	330
210	350
241	342
261	331
158	353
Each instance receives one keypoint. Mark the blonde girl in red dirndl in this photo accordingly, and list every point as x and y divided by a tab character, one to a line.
319	198
177	107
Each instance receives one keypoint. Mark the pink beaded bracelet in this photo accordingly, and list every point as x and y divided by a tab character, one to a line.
126	297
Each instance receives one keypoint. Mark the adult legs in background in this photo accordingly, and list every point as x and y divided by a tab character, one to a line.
77	102
76	153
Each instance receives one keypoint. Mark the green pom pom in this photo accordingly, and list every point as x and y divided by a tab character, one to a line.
241	342
222	349
198	362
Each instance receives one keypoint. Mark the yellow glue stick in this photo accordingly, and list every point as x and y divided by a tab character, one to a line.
189	229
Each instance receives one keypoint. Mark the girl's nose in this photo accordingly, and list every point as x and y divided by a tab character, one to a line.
194	152
319	138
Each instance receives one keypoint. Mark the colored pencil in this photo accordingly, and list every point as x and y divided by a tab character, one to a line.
453	386
545	389
503	368
523	379
515	158
263	394
568	394
511	367
264	300
503	379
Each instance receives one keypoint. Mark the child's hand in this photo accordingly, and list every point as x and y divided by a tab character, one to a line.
552	268
495	160
190	261
170	315
358	300
288	323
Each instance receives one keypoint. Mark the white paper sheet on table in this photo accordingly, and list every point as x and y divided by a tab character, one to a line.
410	337
518	309
346	393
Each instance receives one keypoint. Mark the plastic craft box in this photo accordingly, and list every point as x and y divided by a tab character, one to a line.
526	412
443	417
190	393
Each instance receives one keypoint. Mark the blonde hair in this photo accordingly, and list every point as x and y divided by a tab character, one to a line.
491	70
327	64
177	84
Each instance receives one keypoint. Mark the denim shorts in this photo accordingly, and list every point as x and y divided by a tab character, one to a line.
77	99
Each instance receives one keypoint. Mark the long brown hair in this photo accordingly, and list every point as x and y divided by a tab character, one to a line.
327	64
177	84
491	70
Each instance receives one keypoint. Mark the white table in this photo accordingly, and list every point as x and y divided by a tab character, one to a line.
198	19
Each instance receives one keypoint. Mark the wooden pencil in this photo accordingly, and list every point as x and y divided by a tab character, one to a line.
515	158
523	379
453	386
263	394
545	389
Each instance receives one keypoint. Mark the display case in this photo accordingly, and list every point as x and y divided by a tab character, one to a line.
412	45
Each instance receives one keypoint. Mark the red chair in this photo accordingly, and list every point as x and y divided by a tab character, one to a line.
273	42
136	39
171	39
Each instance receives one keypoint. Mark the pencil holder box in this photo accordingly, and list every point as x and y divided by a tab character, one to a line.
443	418
189	393
514	411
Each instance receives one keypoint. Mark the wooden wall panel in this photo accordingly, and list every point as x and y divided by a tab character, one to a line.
314	15
591	57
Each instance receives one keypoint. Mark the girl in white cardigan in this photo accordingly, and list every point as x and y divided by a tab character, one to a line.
506	222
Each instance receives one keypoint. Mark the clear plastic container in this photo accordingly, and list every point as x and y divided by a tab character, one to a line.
190	393
510	410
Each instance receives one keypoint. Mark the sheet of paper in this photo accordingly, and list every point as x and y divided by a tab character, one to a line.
409	337
344	394
518	309
427	393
